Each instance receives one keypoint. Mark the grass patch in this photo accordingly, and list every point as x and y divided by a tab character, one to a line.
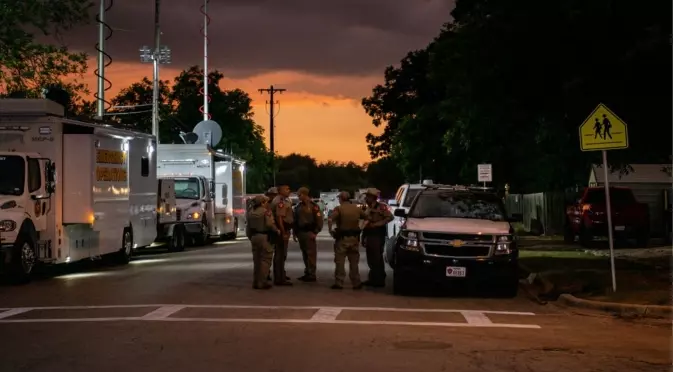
645	281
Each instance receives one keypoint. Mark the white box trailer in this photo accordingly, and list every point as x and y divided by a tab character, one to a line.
207	195
72	190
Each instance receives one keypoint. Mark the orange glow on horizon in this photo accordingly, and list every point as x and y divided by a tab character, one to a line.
324	126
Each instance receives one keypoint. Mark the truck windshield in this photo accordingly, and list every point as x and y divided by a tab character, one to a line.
617	196
444	204
187	188
13	171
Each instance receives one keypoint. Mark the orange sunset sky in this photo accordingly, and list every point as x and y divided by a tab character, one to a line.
328	55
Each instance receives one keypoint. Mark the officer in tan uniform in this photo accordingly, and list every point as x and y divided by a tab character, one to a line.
260	224
347	218
308	224
271	193
374	237
281	208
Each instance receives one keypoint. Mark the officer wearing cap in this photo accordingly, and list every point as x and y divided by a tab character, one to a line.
374	236
308	224
346	235
281	207
260	224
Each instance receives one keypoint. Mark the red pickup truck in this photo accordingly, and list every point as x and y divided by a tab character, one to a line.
587	217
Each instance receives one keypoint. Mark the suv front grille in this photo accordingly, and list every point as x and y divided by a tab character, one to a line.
463	251
467	238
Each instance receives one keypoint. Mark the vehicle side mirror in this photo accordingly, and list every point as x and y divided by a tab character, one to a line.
399	212
516	217
392	203
225	201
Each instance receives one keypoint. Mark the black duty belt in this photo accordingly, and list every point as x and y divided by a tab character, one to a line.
346	233
381	230
254	231
307	228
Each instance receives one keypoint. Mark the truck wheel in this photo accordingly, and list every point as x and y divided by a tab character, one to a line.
509	287
126	251
234	234
642	238
176	243
23	259
203	238
402	283
568	234
585	238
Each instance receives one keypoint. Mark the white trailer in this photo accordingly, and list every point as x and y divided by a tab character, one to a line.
71	190
205	189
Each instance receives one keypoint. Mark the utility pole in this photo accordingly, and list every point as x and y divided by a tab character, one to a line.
271	91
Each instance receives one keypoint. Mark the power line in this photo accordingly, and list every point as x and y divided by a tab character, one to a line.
271	91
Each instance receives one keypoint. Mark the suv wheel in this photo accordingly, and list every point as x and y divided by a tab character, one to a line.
402	283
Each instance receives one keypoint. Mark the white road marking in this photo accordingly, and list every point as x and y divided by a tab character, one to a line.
323	315
12	312
476	318
398	309
326	314
163	312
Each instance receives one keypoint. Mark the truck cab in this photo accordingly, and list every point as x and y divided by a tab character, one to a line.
193	196
26	187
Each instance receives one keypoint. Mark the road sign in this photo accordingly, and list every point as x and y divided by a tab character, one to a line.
485	172
603	130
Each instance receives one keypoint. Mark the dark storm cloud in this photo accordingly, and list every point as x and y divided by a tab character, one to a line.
346	37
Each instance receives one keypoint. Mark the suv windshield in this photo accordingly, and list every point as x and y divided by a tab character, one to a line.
187	188
13	171
456	204
411	194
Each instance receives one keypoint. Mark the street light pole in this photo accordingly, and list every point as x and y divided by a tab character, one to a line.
155	72
157	55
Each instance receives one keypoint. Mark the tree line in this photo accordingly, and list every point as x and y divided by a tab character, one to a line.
509	82
27	66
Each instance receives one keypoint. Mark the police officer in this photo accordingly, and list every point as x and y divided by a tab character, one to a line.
374	237
347	218
308	224
281	206
260	224
271	193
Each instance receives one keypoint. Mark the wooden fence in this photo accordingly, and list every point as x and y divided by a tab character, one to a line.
543	213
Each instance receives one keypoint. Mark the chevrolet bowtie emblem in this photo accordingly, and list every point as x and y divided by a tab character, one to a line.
457	243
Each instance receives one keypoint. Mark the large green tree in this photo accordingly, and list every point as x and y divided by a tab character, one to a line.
26	65
509	82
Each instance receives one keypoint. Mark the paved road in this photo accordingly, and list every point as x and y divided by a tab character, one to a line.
196	311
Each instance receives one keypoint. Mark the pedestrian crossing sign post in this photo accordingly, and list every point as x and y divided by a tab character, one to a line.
603	130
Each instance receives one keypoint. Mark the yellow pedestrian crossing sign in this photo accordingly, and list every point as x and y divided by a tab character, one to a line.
603	130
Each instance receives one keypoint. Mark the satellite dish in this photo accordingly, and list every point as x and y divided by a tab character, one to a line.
189	138
208	132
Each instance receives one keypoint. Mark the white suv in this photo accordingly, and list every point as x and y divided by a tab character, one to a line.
405	195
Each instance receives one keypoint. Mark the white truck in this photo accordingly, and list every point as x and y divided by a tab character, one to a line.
72	190
205	189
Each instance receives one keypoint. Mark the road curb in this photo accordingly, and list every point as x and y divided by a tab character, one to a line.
645	311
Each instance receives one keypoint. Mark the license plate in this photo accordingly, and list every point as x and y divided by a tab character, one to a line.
620	228
456	272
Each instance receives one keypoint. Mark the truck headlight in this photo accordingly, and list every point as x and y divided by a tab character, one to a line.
504	244
410	241
193	215
7	225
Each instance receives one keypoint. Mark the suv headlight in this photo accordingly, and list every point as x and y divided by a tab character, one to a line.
505	244
7	225
410	241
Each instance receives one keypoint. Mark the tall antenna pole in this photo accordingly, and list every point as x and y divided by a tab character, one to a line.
100	107
155	72
272	114
206	98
